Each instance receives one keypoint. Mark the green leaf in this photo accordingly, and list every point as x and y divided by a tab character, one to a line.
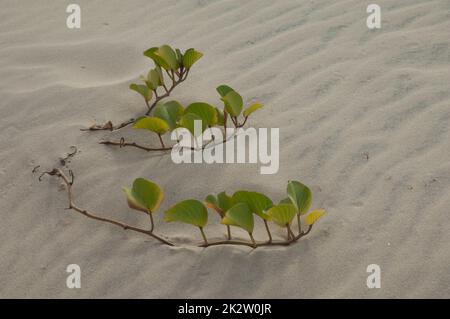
257	202
190	211
282	214
190	57
233	103
252	108
220	117
153	79
314	216
239	215
161	76
170	112
286	200
223	90
179	57
205	111
144	196
154	54
154	124
169	55
300	196
188	121
142	90
220	203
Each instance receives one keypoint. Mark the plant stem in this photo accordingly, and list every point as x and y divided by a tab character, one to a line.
291	234
299	223
152	224
253	240
228	232
268	231
57	172
203	235
161	140
110	127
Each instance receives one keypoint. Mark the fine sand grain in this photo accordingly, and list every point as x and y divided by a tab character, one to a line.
364	120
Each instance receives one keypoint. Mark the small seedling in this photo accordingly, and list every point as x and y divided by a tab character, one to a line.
237	210
155	87
171	115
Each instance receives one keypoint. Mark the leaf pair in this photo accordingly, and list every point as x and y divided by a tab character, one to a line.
171	59
233	102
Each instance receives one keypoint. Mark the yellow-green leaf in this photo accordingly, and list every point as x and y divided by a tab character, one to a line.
153	79
190	211
144	196
300	196
190	57
154	124
154	54
252	108
282	214
169	55
220	117
142	90
233	103
205	111
239	215
314	216
257	202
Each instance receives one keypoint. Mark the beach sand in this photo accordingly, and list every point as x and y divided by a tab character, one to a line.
363	117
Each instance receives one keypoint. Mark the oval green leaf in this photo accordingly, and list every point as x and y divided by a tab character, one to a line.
153	53
282	214
170	112
169	55
154	124
257	202
153	79
205	111
190	57
233	103
239	215
300	196
188	121
314	216
190	211
223	90
252	108
142	90
144	196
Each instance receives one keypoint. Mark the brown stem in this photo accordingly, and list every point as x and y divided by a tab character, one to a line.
228	232
145	148
73	206
161	141
299	223
253	240
291	234
110	127
152	223
268	231
122	143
